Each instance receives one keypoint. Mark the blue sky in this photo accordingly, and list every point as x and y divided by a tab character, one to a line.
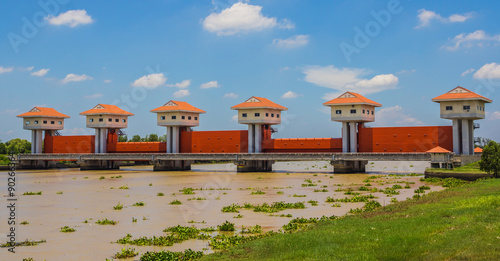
72	55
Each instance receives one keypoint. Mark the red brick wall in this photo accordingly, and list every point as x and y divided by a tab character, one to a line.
404	139
69	144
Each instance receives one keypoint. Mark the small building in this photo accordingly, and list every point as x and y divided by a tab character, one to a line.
41	119
478	150
104	118
351	109
175	115
462	106
257	112
440	158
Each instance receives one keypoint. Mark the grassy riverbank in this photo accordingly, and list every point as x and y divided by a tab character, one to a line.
460	223
472	168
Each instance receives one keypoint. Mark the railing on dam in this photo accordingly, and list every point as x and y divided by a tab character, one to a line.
230	156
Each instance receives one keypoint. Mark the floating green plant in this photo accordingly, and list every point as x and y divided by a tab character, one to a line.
24	223
30	193
176	202
102	177
118	206
299	196
126	253
196	198
258	192
139	204
187	191
23	243
59	192
321	190
280	192
160	194
238	216
123	187
134	220
251	230
188	254
226	226
313	202
106	221
67	229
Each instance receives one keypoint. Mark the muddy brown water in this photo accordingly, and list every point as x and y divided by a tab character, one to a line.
87	197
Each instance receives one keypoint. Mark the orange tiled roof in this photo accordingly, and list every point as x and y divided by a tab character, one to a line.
438	149
258	102
106	109
460	93
351	98
478	150
177	106
43	112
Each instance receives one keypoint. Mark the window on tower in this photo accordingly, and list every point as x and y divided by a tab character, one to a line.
449	108
466	107
353	111
338	112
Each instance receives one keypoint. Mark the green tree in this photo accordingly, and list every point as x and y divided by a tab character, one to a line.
18	146
490	158
162	138
3	148
153	137
135	138
123	138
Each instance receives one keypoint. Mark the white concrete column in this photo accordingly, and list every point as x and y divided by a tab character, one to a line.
465	137
33	142
175	139
39	139
251	138
104	140
345	137
353	137
471	137
258	138
97	140
456	136
169	139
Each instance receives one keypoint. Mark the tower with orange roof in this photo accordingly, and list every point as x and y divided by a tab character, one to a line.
175	115
102	118
257	112
41	119
462	106
351	109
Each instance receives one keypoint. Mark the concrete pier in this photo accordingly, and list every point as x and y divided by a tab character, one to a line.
99	164
172	165
36	164
254	165
349	166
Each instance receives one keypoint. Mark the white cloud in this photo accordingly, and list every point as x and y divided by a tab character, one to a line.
240	18
349	79
94	96
107	81
150	81
40	72
181	93
234	118
182	85
292	42
231	95
289	95
6	69
488	71
70	18
468	71
479	38
395	116
425	17
493	115
212	84
28	69
76	78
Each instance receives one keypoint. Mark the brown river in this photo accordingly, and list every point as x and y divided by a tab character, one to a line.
70	196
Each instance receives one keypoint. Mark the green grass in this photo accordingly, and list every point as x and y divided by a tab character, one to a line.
469	168
459	223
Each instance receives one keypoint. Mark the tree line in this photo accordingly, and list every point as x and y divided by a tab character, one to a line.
149	137
15	145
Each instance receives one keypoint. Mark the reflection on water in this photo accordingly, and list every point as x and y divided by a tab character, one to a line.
87	197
